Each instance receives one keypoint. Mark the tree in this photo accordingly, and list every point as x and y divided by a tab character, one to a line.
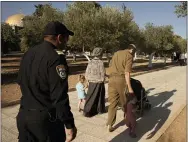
39	10
166	40
180	44
10	41
181	9
158	39
105	27
80	18
32	33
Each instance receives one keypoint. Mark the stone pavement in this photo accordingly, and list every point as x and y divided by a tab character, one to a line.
167	94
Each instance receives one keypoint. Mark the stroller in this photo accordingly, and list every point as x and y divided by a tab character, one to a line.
141	95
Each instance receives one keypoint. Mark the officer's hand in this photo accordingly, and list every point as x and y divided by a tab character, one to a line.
71	134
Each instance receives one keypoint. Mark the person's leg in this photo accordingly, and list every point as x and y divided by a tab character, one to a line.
35	127
122	91
133	128
132	121
113	99
57	132
84	101
20	119
79	103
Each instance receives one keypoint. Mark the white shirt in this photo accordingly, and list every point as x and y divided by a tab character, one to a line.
185	55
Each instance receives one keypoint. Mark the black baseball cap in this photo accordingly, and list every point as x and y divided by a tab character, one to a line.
56	28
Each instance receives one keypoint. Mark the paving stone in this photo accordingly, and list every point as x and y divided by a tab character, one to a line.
165	102
3	116
93	130
87	138
10	110
93	120
8	137
8	122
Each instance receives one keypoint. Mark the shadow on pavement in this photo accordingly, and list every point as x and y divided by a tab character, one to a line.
151	121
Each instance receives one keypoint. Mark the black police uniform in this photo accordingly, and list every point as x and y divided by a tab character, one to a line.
44	107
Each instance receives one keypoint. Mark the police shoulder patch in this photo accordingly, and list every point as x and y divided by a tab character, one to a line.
61	71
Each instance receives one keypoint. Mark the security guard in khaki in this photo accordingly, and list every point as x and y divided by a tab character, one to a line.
119	82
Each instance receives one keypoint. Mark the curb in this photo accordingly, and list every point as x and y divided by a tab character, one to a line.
167	124
15	102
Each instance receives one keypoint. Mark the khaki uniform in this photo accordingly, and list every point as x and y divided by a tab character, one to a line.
117	88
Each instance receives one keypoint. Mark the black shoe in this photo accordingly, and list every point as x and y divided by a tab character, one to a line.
132	135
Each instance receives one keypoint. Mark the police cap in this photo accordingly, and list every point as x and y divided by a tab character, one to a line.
56	28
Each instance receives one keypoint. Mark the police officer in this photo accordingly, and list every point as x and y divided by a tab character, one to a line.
43	74
119	82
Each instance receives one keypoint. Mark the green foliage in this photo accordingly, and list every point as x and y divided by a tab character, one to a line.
181	9
105	27
7	33
165	37
179	43
9	39
158	38
34	24
96	26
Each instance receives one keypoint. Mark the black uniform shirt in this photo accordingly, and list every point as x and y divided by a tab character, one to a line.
43	79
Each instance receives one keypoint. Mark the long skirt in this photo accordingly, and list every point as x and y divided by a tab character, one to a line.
95	99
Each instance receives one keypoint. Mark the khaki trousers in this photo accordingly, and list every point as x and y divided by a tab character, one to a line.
117	90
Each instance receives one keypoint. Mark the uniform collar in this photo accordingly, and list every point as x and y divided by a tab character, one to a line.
50	44
128	52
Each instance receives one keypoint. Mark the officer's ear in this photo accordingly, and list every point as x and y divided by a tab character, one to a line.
59	38
62	38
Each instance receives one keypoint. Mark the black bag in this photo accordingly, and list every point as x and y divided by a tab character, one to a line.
137	88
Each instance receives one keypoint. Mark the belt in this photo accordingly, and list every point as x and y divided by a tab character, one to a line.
52	113
30	109
92	81
117	75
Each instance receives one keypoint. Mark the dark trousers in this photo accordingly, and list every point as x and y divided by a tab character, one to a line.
34	126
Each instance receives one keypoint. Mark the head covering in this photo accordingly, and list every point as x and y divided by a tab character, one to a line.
132	45
56	28
97	52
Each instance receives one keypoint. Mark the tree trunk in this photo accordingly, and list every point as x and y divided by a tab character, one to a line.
135	56
165	59
83	49
153	57
150	60
74	57
87	57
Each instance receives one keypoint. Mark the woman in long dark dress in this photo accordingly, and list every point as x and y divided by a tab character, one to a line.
95	74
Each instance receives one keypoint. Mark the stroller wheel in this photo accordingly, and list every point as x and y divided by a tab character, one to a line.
148	106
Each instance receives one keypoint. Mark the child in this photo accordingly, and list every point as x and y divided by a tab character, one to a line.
130	117
81	91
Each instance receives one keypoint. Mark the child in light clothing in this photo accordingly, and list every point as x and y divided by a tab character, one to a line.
80	87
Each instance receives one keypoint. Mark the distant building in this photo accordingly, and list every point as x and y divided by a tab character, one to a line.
15	21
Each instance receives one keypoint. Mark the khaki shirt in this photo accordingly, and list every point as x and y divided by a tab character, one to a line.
121	62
